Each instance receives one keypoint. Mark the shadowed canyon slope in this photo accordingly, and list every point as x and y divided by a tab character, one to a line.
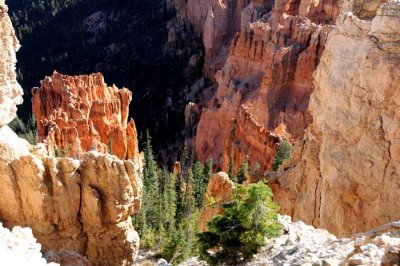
265	83
82	205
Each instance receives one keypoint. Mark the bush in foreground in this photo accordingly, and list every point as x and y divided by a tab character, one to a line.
248	219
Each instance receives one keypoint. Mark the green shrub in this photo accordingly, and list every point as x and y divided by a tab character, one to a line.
248	219
283	153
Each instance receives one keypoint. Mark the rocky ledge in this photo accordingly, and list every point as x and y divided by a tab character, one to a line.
305	245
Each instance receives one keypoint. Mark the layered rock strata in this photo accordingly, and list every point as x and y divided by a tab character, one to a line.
81	113
80	205
265	83
345	175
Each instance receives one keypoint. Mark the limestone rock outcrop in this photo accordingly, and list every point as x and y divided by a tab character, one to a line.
83	206
302	244
19	247
81	113
219	191
80	205
346	175
266	82
10	91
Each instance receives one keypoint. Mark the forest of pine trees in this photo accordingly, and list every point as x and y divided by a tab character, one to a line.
171	204
167	223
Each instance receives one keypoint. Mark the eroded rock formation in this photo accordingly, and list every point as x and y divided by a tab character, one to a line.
266	82
19	247
82	113
217	21
219	191
346	176
81	205
10	90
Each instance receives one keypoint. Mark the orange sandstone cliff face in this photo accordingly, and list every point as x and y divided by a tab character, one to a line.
78	114
266	83
346	175
81	205
219	191
344	172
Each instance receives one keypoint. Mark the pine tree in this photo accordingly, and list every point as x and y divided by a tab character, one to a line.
242	173
169	211
198	177
190	200
150	181
231	170
241	230
181	185
283	153
208	171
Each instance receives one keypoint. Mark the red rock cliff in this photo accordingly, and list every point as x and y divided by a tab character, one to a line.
82	113
266	82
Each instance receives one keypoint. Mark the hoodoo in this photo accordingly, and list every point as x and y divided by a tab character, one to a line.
80	205
81	113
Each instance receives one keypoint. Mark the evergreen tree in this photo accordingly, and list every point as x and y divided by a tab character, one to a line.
231	170
208	172
190	199
283	153
242	173
199	189
248	219
151	187
169	205
167	222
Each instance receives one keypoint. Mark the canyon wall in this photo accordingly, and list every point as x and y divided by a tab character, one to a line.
345	175
217	21
265	85
81	205
334	97
81	113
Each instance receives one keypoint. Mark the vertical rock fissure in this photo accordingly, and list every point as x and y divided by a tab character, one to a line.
317	201
79	218
17	190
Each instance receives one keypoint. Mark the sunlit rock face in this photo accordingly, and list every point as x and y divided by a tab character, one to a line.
81	113
10	91
346	175
219	191
80	205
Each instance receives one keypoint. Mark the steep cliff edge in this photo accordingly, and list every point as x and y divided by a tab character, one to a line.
345	176
265	83
82	205
81	113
